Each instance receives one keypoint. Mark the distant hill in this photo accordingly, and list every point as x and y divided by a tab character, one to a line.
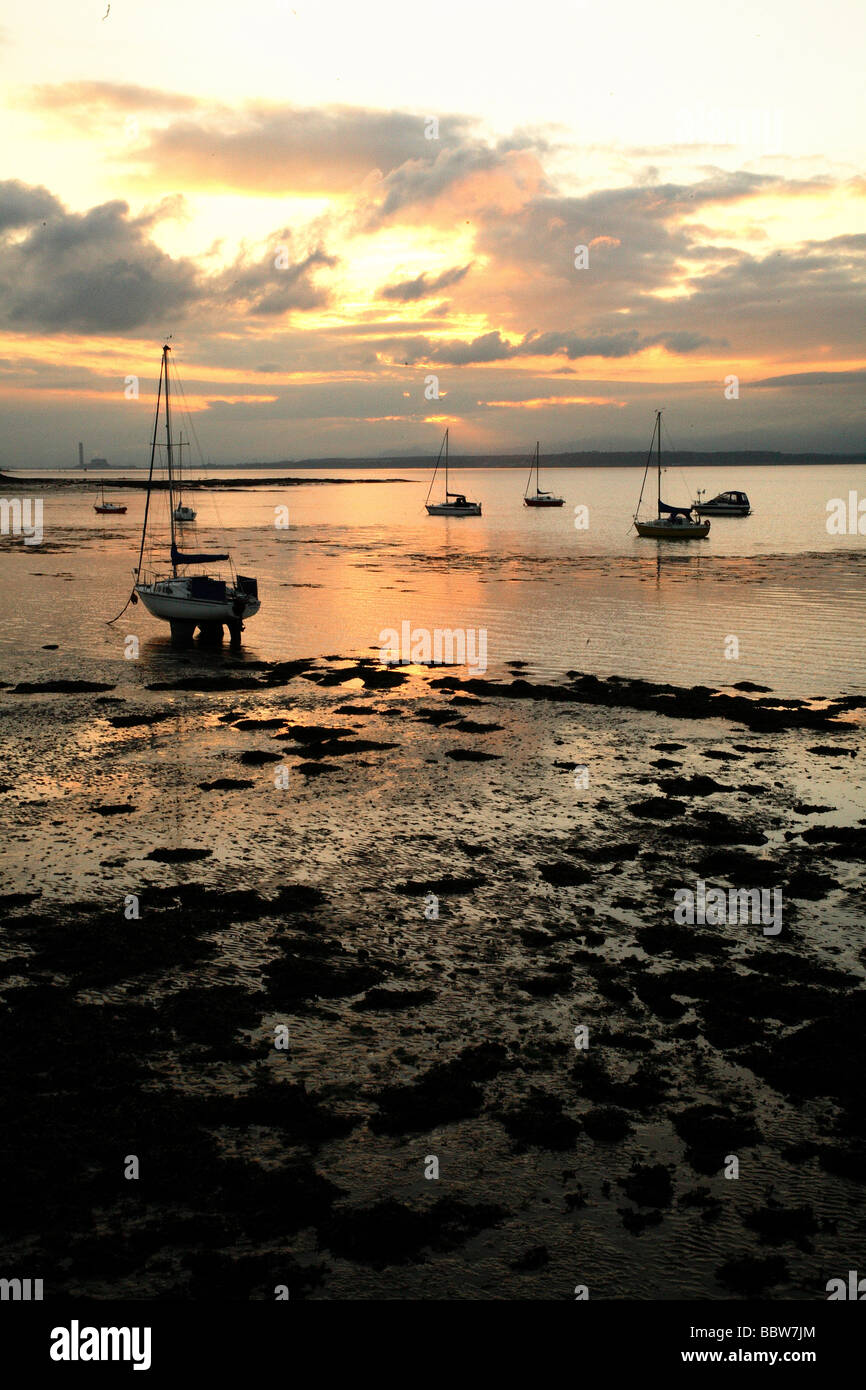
595	459
683	458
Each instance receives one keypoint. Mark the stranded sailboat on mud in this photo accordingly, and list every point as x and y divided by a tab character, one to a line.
184	594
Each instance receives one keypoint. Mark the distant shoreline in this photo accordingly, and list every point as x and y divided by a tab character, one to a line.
189	484
751	458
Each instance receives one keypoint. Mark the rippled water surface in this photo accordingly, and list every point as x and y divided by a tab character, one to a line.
361	557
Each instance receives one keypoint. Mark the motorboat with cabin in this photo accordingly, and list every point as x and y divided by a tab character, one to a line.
725	504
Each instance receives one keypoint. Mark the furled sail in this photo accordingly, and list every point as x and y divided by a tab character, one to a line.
182	558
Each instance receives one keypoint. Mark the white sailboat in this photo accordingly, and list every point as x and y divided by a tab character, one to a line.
455	504
671	523
181	592
181	512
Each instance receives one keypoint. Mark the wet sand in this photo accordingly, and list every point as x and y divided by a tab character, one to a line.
411	1035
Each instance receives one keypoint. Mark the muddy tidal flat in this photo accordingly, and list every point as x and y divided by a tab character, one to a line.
298	936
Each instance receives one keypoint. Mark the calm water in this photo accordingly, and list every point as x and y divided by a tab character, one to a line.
358	558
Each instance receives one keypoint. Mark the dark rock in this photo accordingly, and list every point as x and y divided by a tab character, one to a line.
437	716
539	1122
750	1276
607	1123
564	874
392	1234
259	723
178	855
637	1221
649	1185
711	1132
535	1258
446	1093
474	726
450	885
132	721
777	1225
59	687
385	998
697	785
658	808
226	784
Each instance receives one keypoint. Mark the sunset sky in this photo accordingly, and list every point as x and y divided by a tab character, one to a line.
259	182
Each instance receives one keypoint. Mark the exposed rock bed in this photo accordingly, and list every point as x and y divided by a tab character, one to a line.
476	969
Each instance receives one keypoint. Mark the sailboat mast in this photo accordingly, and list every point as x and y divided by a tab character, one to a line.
536	468
150	471
446	465
165	352
659	457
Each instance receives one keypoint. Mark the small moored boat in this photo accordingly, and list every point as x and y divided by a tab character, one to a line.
539	498
182	512
726	504
455	504
178	596
671	523
107	508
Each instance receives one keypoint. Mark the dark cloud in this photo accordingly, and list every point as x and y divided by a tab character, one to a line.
683	342
89	272
273	284
421	181
489	347
420	288
21	206
492	347
622	344
417	184
100	271
855	378
761	305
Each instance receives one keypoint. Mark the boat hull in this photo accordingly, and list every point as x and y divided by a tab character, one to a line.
170	600
543	501
110	511
453	509
709	510
671	531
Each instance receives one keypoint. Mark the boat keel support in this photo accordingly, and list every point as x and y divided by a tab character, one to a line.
181	631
